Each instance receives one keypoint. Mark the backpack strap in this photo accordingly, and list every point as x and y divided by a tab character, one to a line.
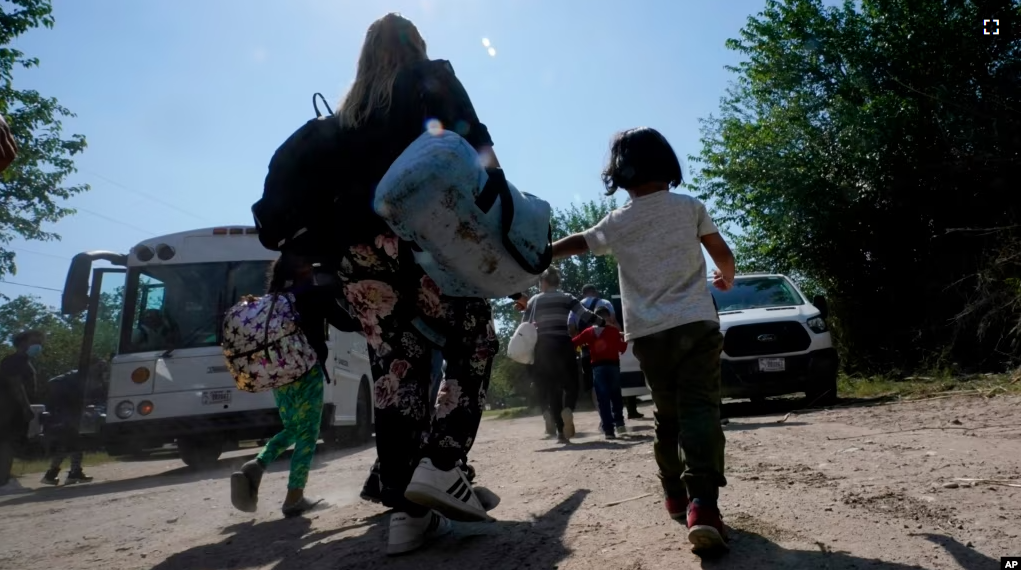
266	325
315	105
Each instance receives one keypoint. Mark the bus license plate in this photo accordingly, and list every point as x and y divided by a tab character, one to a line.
214	397
771	365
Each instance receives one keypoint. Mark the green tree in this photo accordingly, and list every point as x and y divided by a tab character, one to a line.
31	187
872	149
578	271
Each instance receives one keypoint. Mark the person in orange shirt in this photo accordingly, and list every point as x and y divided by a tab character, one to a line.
606	344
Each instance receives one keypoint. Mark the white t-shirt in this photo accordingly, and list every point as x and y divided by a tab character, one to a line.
656	241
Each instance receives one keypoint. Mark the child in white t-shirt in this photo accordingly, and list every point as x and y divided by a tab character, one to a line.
658	240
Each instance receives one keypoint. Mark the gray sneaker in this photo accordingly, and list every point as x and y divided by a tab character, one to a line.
245	486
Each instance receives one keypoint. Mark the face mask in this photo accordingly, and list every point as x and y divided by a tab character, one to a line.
34	350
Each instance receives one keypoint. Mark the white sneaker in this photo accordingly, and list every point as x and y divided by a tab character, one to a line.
408	533
568	416
448	492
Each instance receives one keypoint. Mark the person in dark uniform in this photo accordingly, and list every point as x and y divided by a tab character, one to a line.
64	405
17	388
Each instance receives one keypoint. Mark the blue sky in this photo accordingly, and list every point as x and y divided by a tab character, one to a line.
184	102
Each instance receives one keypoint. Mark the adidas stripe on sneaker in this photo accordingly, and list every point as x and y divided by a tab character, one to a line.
447	492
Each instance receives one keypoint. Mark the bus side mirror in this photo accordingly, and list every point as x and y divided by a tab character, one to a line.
820	302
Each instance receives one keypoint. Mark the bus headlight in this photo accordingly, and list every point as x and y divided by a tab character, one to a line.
124	410
140	375
145	408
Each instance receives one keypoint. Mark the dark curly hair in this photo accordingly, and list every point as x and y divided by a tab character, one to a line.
640	156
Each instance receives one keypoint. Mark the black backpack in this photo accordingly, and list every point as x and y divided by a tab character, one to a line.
301	210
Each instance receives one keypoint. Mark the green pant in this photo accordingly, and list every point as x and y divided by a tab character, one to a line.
301	409
682	369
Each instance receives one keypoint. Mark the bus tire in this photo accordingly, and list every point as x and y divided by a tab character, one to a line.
362	431
200	453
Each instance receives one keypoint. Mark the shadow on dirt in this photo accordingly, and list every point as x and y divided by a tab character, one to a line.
288	543
176	476
752	551
743	426
622	443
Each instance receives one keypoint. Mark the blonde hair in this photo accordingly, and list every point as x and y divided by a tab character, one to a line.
391	43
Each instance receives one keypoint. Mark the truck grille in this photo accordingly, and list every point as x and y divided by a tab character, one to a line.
766	338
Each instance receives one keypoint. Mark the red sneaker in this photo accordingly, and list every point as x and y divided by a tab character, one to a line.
677	507
705	527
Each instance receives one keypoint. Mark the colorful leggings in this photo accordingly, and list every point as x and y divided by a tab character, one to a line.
301	409
405	317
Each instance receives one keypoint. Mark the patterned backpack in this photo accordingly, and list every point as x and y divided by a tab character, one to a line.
263	344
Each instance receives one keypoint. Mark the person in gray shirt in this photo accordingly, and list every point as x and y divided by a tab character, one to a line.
555	368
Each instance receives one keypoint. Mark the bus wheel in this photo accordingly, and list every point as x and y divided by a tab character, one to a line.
362	431
200	453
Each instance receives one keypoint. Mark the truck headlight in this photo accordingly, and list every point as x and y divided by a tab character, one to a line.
124	410
817	325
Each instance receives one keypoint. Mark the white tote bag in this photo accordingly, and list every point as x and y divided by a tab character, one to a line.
522	347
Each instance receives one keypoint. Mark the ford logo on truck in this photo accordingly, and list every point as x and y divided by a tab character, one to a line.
766	338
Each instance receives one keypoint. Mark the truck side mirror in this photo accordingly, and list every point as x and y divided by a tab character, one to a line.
820	302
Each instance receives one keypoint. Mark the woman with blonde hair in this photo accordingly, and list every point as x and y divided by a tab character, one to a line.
398	91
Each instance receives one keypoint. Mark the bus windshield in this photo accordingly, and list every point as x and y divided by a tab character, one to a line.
180	306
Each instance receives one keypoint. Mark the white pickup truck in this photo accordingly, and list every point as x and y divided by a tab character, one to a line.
776	342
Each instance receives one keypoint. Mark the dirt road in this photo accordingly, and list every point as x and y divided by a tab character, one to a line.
830	489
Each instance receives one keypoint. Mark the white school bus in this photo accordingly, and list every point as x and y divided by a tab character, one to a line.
155	318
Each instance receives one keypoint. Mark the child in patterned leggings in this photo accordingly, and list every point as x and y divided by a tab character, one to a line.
300	403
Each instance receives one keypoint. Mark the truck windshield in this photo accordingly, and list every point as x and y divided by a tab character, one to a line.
757	293
181	306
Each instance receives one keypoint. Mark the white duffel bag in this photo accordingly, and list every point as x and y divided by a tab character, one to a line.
477	235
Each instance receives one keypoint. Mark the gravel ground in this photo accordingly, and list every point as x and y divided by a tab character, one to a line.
853	487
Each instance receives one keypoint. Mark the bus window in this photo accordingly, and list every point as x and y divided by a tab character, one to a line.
181	305
151	293
247	278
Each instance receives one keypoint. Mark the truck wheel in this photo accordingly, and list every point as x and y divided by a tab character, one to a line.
822	392
362	431
200	453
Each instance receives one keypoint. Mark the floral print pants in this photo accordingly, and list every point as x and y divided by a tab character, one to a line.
405	318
